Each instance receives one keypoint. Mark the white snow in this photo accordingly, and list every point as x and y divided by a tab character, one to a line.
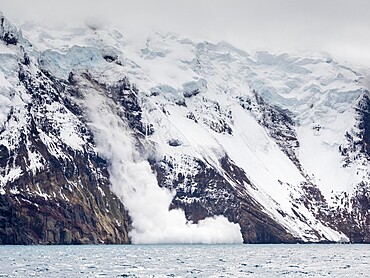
10	175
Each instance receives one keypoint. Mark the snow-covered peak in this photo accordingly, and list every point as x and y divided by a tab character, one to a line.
9	33
210	118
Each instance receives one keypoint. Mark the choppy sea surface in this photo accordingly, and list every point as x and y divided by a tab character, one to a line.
186	261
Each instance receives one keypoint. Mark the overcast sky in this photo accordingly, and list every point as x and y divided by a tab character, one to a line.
339	27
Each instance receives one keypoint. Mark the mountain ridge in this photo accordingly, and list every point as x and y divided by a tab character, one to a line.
217	135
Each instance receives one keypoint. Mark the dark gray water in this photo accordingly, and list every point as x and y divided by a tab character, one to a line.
186	261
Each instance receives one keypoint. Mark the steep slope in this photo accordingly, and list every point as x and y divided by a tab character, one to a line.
54	188
275	143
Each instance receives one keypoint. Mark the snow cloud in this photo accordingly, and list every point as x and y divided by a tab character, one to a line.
339	27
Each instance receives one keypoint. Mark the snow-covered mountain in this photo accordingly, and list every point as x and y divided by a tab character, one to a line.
177	141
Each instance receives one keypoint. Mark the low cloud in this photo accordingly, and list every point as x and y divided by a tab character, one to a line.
336	26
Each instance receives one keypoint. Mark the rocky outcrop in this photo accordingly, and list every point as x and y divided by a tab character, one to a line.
278	123
35	220
64	203
8	33
364	110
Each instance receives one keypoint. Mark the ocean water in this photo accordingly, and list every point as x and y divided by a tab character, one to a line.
311	260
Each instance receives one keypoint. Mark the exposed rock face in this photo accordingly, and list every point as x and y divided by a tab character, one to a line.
34	220
8	33
364	110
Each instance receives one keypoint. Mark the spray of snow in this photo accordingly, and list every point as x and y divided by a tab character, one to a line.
133	180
